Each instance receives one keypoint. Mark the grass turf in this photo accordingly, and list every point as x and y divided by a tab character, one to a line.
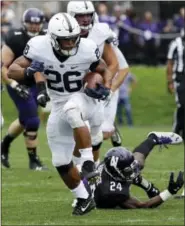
40	198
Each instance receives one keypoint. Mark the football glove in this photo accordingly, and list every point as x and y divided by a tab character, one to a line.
21	90
35	66
100	92
174	187
42	96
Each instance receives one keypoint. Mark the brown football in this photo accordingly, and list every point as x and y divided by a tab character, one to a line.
91	79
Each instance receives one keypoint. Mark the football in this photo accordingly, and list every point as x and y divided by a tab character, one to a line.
91	79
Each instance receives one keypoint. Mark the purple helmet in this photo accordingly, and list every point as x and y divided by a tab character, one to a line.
31	17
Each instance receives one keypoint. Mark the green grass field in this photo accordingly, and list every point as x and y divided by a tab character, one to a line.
40	198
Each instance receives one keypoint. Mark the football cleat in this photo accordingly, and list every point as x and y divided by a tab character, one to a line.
116	139
36	164
4	155
165	137
152	191
84	206
5	161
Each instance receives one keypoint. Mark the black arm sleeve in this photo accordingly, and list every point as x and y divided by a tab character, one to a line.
94	65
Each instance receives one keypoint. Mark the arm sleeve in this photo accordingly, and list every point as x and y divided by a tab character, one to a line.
172	50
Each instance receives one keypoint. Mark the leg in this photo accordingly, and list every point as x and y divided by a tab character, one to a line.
28	117
14	130
44	112
119	112
61	143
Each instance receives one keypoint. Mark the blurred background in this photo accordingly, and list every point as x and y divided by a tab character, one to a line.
144	29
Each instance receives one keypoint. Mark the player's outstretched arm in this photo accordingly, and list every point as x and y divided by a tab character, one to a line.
173	188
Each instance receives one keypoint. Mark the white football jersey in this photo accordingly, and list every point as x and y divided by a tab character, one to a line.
101	33
63	78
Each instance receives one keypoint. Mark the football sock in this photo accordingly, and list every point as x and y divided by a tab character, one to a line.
146	146
8	140
32	152
80	191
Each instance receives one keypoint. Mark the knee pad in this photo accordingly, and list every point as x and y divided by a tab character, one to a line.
31	125
64	169
96	136
73	115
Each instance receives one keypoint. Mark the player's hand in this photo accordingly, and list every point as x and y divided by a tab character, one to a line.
35	66
175	186
170	87
21	90
42	97
100	92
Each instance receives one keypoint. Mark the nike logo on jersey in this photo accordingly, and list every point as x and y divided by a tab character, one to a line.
73	67
84	208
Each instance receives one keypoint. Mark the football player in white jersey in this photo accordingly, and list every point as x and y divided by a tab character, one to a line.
107	42
64	58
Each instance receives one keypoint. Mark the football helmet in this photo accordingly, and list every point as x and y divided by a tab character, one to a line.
33	20
84	12
120	164
64	32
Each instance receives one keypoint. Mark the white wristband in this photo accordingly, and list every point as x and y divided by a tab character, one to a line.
13	84
165	195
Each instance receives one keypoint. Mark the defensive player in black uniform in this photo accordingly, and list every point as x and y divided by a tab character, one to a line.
120	168
23	94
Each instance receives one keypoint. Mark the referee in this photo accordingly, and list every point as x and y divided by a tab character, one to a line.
176	80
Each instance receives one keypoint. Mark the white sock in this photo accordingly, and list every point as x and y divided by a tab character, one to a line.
80	191
86	154
77	160
97	162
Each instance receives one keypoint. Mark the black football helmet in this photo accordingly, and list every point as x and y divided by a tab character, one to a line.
120	164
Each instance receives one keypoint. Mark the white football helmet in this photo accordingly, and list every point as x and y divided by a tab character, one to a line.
81	8
64	27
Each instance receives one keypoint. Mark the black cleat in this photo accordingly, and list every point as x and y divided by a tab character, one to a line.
116	138
84	206
152	191
4	155
5	161
36	164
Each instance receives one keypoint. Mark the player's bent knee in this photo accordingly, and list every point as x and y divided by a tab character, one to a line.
73	115
31	124
64	169
96	147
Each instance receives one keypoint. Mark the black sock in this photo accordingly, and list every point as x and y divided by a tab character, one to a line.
142	183
146	146
32	153
8	140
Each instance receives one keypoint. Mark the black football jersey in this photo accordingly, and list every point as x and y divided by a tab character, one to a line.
110	193
16	40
